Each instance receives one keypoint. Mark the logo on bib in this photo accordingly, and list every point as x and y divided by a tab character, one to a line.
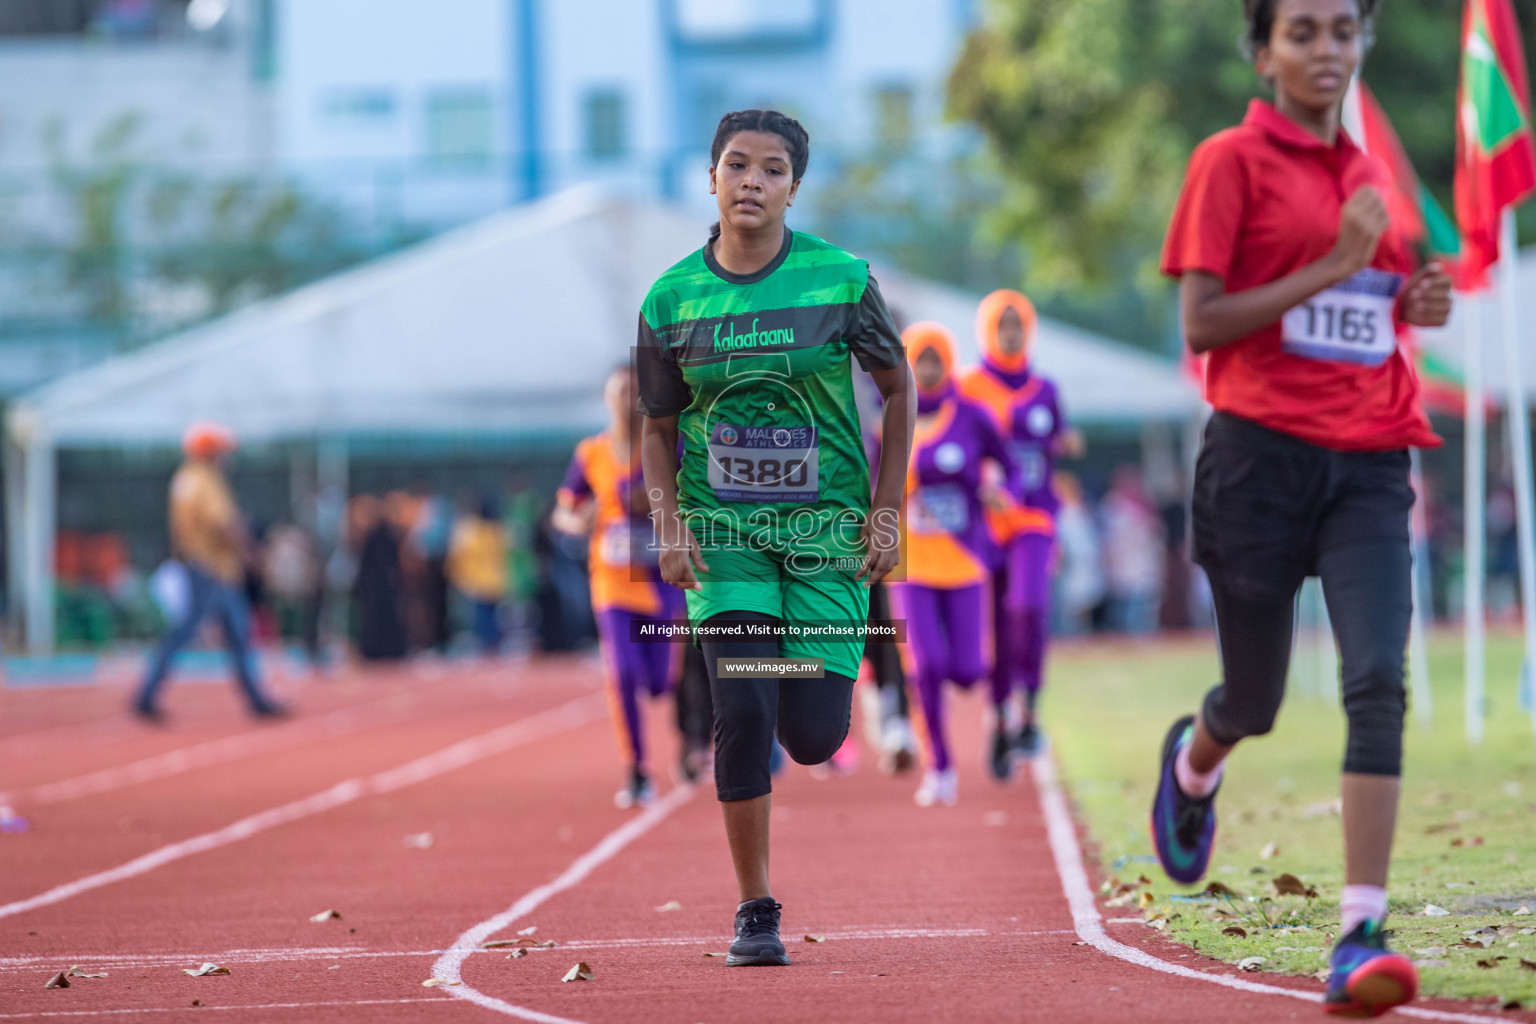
1039	421
949	457
727	435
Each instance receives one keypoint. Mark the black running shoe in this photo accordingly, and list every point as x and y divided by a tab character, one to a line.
1001	761
757	936
1030	741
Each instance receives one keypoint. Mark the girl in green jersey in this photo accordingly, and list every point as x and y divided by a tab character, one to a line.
769	524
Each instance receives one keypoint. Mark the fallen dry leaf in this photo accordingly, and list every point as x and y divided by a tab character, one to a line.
197	1002
78	972
1123	900
1478	941
205	970
581	972
1250	963
1143	880
1270	851
516	953
326	915
1524	911
1512	1004
1219	889
1235	932
1529	965
669	905
1462	841
550	944
1160	923
420	841
1146	900
435	982
57	981
529	930
1490	964
1289	885
1430	910
815	938
717	954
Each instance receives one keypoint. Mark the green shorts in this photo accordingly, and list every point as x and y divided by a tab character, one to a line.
745	579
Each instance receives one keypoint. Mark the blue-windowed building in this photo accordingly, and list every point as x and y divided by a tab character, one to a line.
437	112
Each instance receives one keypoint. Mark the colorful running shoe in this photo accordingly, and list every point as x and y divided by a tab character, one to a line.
842	763
757	936
1183	827
1368	979
938	787
639	792
1029	741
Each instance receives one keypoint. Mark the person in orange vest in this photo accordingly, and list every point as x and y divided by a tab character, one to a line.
209	538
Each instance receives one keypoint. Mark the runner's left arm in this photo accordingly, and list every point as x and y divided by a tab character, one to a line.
877	344
663	394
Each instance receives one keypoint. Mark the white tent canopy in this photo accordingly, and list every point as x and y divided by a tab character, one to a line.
509	324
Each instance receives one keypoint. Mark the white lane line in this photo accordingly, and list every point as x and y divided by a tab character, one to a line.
547	723
203	755
448	965
330	954
1090	926
209	1009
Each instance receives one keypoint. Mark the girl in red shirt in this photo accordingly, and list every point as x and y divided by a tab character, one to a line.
1294	286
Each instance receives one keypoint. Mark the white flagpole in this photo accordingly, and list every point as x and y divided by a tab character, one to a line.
1519	441
1474	515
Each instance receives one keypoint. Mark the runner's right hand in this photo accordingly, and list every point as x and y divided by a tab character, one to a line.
680	555
1362	222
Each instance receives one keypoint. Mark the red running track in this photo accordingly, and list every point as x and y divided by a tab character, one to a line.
150	851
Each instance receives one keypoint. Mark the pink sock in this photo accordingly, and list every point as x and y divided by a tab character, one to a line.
1193	783
1362	903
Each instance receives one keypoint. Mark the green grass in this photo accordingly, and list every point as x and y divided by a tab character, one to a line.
1107	709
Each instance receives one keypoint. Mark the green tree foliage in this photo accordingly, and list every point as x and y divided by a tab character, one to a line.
150	249
1091	108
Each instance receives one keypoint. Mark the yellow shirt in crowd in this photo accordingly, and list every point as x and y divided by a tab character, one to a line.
203	521
477	558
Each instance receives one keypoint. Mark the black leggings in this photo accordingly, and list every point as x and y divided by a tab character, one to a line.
1367	586
811	715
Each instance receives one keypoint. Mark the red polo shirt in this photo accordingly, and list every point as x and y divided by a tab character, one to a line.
1262	200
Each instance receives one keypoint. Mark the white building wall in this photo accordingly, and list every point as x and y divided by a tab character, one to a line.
590	45
356	79
197	103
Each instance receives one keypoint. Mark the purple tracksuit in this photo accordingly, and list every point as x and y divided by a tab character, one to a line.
1028	410
950	555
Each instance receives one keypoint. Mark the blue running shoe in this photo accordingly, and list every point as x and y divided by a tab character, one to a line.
1368	979
1183	827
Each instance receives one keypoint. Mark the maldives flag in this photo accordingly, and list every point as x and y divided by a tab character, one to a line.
1495	157
1411	205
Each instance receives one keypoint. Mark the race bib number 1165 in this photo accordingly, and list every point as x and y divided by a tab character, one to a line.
1349	323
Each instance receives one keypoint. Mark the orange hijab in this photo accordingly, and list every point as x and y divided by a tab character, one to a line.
927	336
987	316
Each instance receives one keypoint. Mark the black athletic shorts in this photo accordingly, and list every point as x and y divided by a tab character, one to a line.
1266	504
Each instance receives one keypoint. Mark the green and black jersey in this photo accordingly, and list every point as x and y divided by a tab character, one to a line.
756	368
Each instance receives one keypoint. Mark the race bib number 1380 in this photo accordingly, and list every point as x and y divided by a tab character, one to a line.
1349	323
764	463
